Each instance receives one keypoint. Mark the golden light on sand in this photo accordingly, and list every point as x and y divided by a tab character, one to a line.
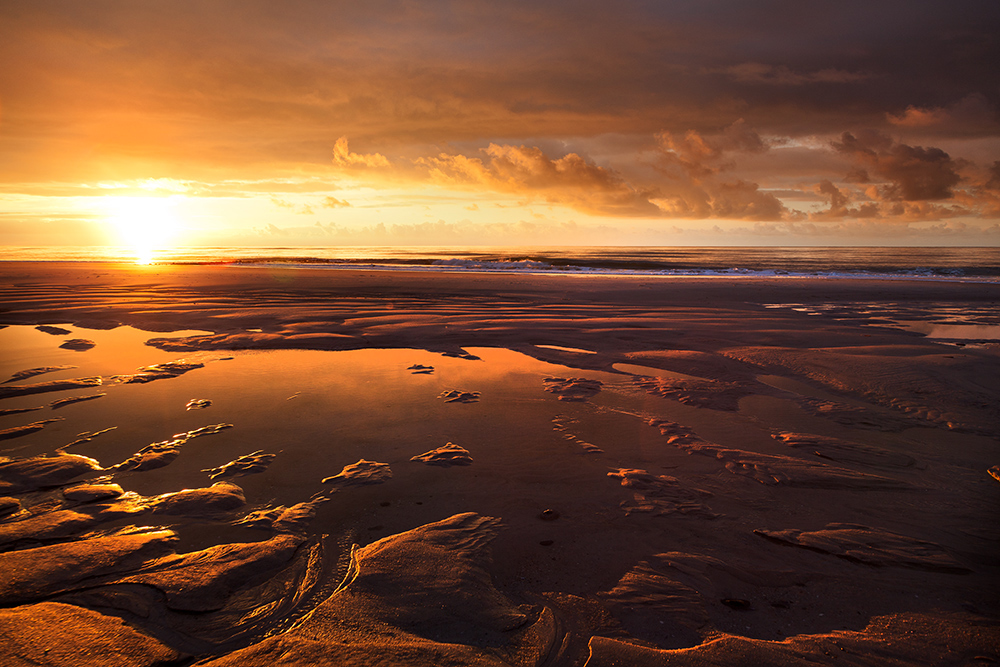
143	223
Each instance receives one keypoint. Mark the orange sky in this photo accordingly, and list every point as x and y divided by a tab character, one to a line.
711	122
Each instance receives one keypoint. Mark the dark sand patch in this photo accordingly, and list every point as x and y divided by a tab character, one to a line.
661	495
244	465
54	385
458	396
62	402
572	389
420	369
54	331
18	431
446	455
871	546
78	344
32	372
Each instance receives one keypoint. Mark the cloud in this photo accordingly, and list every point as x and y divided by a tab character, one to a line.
971	113
781	75
333	202
570	179
693	164
909	173
839	204
343	157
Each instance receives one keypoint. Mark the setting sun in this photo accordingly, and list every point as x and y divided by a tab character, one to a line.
143	223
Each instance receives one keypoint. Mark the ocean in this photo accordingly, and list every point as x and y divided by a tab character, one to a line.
941	263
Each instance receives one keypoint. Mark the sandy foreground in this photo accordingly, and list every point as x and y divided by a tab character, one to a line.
268	466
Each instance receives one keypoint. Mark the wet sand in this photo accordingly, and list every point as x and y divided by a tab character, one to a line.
277	466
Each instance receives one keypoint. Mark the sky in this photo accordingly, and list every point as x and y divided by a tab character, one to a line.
466	122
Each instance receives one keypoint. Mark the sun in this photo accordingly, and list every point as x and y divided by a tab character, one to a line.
143	223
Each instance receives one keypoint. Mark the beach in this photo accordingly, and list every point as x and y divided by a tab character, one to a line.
266	464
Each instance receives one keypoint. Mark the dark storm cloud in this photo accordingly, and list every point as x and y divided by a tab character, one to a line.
913	173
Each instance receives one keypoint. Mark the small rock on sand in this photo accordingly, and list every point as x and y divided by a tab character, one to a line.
78	344
457	396
362	473
446	456
244	465
219	498
86	493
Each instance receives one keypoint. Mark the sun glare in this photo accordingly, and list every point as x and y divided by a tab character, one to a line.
145	224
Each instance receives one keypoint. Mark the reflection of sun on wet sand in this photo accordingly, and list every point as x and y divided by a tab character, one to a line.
651	472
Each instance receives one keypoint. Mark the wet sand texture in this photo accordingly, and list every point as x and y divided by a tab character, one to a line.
707	476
